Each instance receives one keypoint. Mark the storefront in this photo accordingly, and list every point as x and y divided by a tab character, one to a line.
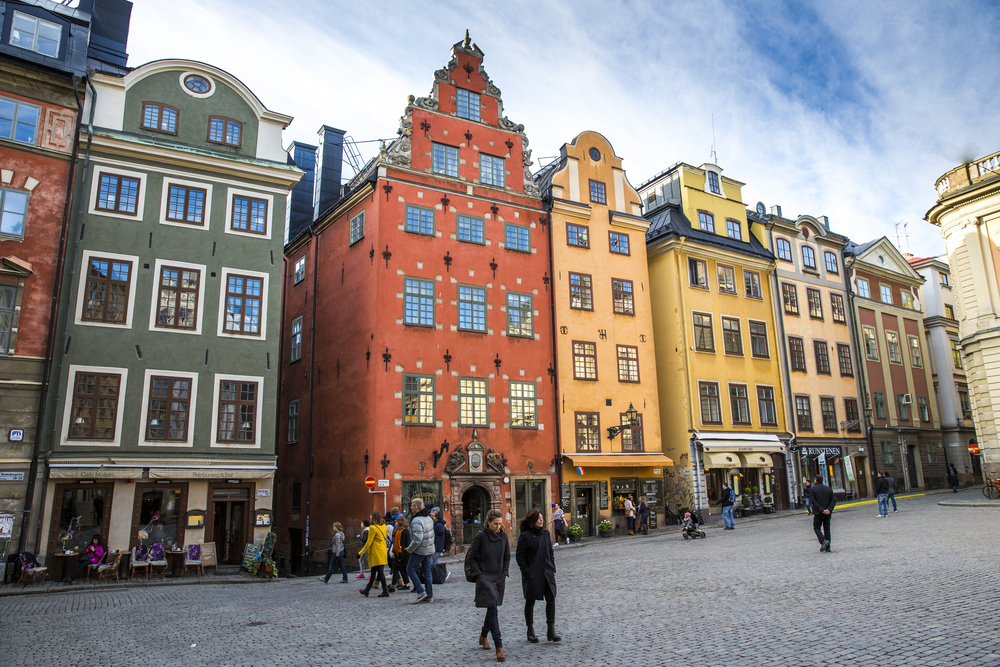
753	465
843	468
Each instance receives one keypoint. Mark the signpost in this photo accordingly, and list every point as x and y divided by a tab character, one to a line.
973	448
370	482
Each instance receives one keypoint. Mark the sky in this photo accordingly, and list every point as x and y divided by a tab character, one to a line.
850	109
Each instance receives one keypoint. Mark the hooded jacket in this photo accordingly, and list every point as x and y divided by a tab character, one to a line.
421	533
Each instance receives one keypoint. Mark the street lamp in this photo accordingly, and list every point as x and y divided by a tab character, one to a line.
871	437
632	416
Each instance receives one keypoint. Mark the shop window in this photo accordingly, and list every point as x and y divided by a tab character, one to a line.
584	360
581	296
588	431
159	517
429	492
473	398
520	315
523	405
622	297
418	400
471	308
80	512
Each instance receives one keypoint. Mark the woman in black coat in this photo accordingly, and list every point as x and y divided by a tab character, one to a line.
538	573
487	562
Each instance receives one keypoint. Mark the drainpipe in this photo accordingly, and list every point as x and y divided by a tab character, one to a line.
555	359
863	379
312	374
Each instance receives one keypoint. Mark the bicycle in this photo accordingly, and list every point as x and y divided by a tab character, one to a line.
992	489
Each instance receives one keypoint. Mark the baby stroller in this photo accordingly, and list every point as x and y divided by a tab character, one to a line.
689	527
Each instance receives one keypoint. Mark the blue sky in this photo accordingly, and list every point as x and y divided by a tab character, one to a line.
847	109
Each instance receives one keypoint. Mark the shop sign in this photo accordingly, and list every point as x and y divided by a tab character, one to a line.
262	518
6	525
830	452
604	495
250	554
564	494
11	476
16	435
849	468
263	493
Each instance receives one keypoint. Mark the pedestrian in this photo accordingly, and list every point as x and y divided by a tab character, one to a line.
439	532
558	523
630	514
953	478
823	504
91	555
808	499
882	493
337	553
728	497
643	515
363	561
421	550
487	562
400	556
377	555
891	494
538	573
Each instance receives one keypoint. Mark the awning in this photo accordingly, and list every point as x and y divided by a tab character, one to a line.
721	460
94	473
755	460
620	460
210	473
740	442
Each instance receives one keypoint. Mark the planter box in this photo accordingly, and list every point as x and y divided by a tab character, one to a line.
575	538
604	533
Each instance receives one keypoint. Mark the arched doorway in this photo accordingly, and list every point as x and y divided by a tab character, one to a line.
475	505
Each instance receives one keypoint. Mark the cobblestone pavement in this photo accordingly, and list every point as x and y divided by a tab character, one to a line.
917	588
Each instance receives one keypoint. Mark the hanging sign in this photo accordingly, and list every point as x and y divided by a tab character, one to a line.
848	468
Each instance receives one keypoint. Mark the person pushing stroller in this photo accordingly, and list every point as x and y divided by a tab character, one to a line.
689	527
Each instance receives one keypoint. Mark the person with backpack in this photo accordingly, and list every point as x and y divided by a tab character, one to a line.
421	548
487	564
538	573
728	497
337	553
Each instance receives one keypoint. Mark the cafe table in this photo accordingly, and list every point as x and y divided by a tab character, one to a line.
67	559
175	556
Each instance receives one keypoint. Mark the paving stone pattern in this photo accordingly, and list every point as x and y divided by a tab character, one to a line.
920	587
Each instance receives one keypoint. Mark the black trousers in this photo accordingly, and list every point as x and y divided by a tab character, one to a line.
377	573
821	526
399	571
491	625
81	565
550	608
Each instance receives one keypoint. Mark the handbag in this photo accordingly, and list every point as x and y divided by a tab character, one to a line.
470	575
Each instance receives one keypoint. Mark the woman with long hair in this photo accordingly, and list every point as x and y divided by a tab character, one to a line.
538	573
400	556
91	555
378	555
487	562
337	554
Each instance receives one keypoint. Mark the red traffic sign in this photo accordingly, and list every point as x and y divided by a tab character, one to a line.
370	482
973	448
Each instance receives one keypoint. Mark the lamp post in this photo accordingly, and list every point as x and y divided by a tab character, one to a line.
871	437
632	422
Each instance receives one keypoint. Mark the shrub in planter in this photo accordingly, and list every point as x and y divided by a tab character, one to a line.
575	530
768	500
745	501
747	490
604	528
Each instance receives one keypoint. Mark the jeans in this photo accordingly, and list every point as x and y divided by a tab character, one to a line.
821	526
630	523
644	524
338	560
727	516
420	569
883	504
808	505
491	625
435	554
892	497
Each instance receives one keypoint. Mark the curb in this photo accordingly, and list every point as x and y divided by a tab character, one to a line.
56	590
972	504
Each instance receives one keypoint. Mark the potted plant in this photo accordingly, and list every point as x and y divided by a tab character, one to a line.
747	501
604	528
768	504
575	531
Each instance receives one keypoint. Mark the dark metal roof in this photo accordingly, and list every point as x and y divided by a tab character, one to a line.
668	220
858	249
543	177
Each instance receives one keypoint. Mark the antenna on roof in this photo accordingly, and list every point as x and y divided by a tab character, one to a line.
714	155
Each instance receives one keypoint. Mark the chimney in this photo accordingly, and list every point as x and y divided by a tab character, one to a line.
776	210
300	201
826	222
329	163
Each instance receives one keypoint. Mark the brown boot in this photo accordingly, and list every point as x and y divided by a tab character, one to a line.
500	656
485	643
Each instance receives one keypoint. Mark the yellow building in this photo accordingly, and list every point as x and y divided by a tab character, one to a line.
604	336
717	354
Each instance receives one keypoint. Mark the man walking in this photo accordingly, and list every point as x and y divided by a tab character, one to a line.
728	496
953	478
891	494
421	550
882	493
823	504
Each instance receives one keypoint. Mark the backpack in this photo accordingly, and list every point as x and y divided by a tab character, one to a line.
448	540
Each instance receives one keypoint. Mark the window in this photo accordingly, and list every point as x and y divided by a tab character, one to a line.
578	235
584	361
517	238
828	409
467	104
471	230
107	291
852	415
863	289
886	293
739	404
237	411
803	413
758	340
633	439
944	279
471	308
444	160
797	351
159	117
892	347
808	257
197	84
19	120
35	34
915	359
296	339
293	421
704	341
949	312
296	495
418	302
628	363
95	406
837	308
523	403
491	171
887	456
178	298
249	215
713	182
765	405
300	270
622	296
784	249
13	212
618	243
963	401
790	297
924	408
472	402
732	338
581	296
357	227
902	409
8	297
878	399
520	315
711	412
906	299
822	357
956	355
751	283
871	343
588	432
243	304
418	400
727	278
832	265
169	403
932	452
118	194
844	358
815	303
706	221
734	229
598	192
420	220
186	204
698	272
225	131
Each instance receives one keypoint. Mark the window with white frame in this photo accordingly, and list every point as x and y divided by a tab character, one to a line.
244	304
906	298
35	34
712	179
300	269
178	293
886	292
808	257
249	214
892	347
159	117
471	308
237	412
916	359
94	410
19	120
871	342
108	287
13	212
168	408
444	160
185	204
357	227
491	170
296	340
863	288
706	222
523	405
118	194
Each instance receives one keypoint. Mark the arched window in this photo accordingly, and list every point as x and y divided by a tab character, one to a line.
784	249
808	257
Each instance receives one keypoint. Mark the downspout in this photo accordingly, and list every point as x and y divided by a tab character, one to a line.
312	374
555	356
281	351
865	390
696	469
50	336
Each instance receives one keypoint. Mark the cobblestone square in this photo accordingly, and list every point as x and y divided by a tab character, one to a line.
917	588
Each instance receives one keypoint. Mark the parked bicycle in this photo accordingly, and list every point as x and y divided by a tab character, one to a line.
992	489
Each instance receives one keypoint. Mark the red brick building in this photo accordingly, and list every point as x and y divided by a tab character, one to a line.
417	341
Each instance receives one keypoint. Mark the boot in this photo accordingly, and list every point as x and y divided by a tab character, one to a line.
484	642
531	635
500	656
551	635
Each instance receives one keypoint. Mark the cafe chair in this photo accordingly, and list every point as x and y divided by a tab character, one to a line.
158	559
92	567
139	561
31	569
110	568
193	559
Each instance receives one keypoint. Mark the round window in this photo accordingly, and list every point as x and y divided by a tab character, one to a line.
197	84
881	259
595	155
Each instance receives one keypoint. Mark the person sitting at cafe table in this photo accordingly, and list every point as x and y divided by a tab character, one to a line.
91	555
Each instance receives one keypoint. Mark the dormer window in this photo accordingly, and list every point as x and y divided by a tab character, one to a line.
734	229
225	131
35	34
159	117
706	222
713	182
808	257
468	105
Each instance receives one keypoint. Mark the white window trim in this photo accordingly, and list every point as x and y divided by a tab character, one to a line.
295	270
218	379
81	291
204	75
722	188
192	403
95	188
291	339
165	202
154	306
256	194
64	440
34	47
220	330
298	413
